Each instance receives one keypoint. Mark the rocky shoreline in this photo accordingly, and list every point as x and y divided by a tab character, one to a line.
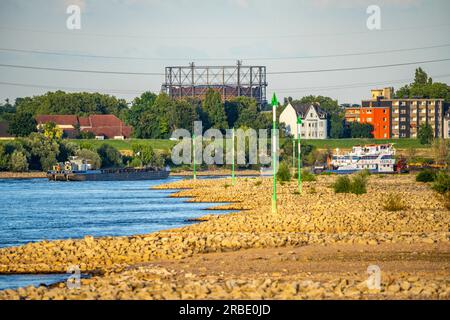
318	218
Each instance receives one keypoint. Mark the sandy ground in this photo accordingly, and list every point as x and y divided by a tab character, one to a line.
318	245
22	175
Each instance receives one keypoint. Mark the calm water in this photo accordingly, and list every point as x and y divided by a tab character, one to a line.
37	209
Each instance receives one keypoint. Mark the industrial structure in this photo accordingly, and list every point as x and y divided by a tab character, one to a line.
229	81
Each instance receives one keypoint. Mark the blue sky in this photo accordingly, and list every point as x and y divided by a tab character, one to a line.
175	32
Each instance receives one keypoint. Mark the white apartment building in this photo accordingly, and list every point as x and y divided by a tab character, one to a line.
314	121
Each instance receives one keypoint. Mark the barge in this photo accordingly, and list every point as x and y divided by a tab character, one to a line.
81	170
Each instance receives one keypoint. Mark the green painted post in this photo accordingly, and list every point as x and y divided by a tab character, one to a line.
299	162
293	153
274	152
193	149
233	178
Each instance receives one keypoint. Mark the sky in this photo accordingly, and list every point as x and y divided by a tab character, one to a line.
283	35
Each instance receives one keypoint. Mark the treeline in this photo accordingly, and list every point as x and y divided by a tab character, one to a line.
40	151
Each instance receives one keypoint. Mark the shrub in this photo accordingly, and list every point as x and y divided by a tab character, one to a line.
359	184
284	172
306	175
426	176
18	162
394	203
442	183
342	185
135	163
258	183
109	155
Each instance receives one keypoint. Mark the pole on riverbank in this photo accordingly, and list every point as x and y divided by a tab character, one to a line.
293	152
193	151
274	152
299	162
233	178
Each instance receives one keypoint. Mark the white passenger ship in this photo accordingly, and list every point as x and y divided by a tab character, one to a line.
375	158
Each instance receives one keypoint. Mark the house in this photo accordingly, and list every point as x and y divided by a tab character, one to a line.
447	125
314	120
103	126
372	113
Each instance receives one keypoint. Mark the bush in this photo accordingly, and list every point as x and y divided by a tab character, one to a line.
359	184
135	163
92	156
342	185
442	183
18	162
284	172
306	175
426	176
258	183
394	203
110	156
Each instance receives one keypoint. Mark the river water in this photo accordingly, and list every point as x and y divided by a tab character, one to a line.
37	209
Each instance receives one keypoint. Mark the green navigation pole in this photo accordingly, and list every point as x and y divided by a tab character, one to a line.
233	178
299	162
193	151
274	152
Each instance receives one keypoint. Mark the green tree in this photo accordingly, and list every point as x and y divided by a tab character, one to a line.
41	152
144	153
67	149
215	110
360	130
182	114
52	131
110	156
425	134
18	162
22	124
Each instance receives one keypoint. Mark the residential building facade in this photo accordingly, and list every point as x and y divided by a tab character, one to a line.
399	118
447	125
314	121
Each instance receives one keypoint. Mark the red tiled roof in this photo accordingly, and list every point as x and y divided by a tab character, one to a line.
58	119
107	125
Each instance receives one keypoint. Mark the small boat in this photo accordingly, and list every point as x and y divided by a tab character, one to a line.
81	170
374	158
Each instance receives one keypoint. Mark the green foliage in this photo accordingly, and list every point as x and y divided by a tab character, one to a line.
426	176
51	131
342	184
110	156
41	151
360	130
393	202
80	103
308	176
18	162
86	135
359	184
284	172
356	185
22	124
144	153
243	112
425	134
442	182
92	156
424	87
214	109
135	163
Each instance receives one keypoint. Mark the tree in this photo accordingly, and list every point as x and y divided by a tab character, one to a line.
41	151
361	130
425	134
182	114
144	153
67	149
18	162
52	131
110	156
91	156
22	124
214	108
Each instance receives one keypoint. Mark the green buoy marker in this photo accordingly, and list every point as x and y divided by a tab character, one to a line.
274	152
233	178
193	151
299	162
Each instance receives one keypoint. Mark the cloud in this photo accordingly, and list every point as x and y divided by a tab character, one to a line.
241	3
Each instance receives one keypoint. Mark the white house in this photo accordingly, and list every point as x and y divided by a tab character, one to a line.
314	120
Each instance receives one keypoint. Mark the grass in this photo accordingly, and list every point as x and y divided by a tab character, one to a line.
393	203
349	143
356	185
156	144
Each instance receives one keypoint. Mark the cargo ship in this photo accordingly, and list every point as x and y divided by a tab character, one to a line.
81	170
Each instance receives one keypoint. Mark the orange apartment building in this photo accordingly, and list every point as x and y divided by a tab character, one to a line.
377	116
